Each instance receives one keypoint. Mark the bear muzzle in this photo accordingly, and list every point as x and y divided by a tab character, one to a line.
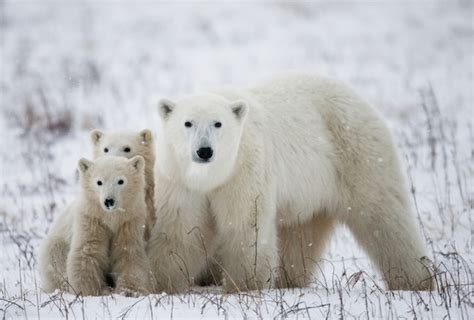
203	155
109	204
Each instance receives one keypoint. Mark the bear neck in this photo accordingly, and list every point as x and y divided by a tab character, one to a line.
251	151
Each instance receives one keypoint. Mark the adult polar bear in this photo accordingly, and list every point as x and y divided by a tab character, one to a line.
258	178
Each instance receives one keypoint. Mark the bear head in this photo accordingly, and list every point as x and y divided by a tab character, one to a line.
200	139
122	143
115	183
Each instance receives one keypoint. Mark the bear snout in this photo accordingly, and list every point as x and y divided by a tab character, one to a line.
109	203
205	153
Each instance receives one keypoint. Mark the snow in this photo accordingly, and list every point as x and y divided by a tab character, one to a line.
72	66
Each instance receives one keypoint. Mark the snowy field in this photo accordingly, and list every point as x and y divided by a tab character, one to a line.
68	67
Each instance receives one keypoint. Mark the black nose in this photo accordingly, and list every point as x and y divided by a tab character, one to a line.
205	153
109	202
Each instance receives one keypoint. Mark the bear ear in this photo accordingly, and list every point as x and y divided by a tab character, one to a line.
239	109
137	162
96	135
165	108
84	165
146	136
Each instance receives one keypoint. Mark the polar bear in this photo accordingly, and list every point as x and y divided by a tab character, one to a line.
129	144
101	232
259	177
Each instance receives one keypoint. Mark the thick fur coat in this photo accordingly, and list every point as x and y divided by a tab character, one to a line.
254	181
129	144
101	233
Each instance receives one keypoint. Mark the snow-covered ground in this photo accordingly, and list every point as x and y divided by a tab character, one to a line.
67	67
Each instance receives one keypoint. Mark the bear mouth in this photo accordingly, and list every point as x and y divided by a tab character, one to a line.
110	209
199	160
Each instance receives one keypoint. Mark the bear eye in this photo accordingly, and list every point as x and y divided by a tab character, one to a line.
120	181
106	150
99	183
188	124
126	149
218	124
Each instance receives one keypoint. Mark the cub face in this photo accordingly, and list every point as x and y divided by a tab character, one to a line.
112	182
202	134
121	143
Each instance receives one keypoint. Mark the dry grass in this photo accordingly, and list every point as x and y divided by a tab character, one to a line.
431	153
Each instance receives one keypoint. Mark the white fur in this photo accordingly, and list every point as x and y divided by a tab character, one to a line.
305	152
90	240
138	143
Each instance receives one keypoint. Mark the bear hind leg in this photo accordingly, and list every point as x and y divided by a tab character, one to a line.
388	233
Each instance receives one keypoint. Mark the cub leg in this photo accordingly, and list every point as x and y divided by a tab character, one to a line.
88	259
52	260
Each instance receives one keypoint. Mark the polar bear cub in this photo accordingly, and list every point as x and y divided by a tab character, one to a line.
265	173
105	232
129	144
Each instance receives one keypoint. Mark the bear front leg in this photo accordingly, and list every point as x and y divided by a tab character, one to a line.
130	265
248	240
87	261
52	261
182	241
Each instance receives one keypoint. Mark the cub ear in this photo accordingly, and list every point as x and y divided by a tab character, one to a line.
239	109
96	135
165	108
137	162
84	165
146	136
